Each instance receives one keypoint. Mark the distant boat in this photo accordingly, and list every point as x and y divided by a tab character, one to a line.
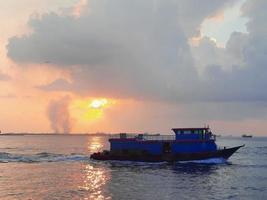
155	134
246	136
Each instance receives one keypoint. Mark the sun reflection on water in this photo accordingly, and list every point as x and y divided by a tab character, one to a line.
95	180
95	144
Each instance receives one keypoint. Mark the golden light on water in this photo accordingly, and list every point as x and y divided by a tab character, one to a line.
95	179
95	144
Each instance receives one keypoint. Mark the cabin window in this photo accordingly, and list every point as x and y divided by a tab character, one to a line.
187	132
123	136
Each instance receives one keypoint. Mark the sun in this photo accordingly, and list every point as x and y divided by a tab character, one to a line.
98	103
91	110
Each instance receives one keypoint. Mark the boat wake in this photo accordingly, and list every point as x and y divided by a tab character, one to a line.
52	157
41	157
134	163
212	161
207	161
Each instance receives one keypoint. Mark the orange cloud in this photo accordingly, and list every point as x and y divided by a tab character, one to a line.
217	17
79	7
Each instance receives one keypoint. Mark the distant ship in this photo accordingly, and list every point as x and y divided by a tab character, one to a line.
247	136
187	144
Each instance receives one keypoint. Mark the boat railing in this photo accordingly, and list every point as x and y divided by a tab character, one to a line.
142	137
159	137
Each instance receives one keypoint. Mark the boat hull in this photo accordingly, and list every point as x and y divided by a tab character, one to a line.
222	153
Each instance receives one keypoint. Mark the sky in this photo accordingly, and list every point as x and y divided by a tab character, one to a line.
85	66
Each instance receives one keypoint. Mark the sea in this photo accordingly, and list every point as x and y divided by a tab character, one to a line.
59	167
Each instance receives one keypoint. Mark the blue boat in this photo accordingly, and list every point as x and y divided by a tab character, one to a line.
188	144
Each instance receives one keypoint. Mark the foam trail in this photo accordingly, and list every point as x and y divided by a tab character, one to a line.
207	161
134	163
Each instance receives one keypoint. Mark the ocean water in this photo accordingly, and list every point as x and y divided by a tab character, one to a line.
59	167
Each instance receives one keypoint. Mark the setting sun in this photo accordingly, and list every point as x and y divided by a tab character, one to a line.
98	103
90	111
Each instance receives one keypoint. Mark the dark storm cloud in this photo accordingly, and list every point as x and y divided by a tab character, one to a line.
114	33
245	57
57	85
140	49
121	48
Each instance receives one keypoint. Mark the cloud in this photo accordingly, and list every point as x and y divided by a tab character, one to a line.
57	85
4	77
113	51
237	72
112	31
8	96
139	50
121	48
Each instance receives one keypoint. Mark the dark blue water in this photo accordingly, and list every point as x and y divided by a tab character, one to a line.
59	167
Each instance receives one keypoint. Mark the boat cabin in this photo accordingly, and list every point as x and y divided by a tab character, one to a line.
192	133
186	140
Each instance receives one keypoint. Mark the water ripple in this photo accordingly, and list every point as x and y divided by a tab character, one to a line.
41	157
